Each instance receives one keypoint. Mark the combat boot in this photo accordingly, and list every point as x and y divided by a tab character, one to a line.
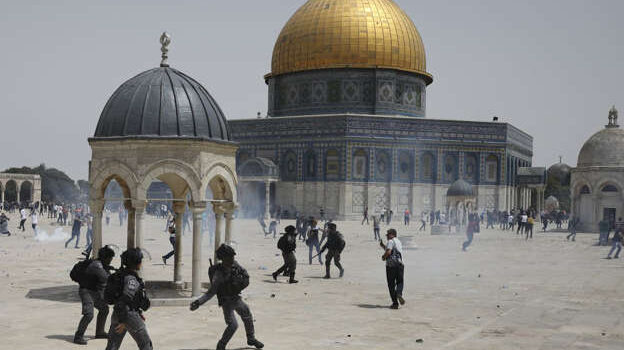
327	275
220	346
292	279
80	340
255	342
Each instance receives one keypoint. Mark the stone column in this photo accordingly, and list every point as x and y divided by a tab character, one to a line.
219	211
139	218
198	210
229	218
18	188
2	195
178	209
267	201
96	208
131	229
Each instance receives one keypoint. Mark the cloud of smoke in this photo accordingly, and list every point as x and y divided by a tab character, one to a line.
58	235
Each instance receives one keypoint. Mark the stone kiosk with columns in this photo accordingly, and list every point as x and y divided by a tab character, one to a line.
163	125
531	181
597	182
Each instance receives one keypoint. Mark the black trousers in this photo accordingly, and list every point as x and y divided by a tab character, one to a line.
394	276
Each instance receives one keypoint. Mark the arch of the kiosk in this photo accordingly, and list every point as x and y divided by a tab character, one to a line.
27	187
184	182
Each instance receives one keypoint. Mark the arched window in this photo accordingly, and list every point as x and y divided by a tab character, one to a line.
585	190
289	166
491	168
405	166
450	168
242	157
383	166
428	166
360	165
609	188
471	168
310	164
332	164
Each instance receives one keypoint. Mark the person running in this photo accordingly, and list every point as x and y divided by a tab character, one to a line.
572	228
528	229
288	244
393	256
376	223
617	243
313	241
335	245
227	280
406	217
89	235
365	215
130	302
473	222
23	217
34	220
75	231
92	284
172	240
423	221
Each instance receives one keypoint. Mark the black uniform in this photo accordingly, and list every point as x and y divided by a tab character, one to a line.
334	246
287	244
128	310
230	301
92	295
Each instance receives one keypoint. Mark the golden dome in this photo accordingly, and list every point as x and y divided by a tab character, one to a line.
349	34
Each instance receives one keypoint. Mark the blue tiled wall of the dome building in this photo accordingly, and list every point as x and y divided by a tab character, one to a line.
385	149
362	91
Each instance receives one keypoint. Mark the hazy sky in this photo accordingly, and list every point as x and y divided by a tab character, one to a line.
550	67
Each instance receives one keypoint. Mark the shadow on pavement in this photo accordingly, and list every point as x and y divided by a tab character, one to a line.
67	338
370	306
66	294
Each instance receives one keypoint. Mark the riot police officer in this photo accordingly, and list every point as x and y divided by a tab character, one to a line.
287	244
334	246
130	303
92	295
227	280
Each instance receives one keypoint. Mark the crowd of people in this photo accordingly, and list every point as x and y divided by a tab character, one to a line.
101	285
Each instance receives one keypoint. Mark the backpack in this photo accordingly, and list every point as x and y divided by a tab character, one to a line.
340	241
78	273
239	278
114	287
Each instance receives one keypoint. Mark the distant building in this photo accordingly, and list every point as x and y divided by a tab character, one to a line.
598	179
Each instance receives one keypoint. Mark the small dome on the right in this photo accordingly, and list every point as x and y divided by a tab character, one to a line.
604	148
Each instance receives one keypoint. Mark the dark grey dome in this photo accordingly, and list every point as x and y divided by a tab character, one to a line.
460	188
162	103
560	171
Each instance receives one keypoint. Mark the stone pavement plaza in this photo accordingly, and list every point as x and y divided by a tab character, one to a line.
504	293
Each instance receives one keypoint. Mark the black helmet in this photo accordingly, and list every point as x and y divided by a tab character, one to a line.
224	251
106	253
331	226
290	229
131	257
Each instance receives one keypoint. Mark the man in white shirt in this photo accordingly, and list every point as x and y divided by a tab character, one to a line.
23	217
34	220
393	256
524	219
